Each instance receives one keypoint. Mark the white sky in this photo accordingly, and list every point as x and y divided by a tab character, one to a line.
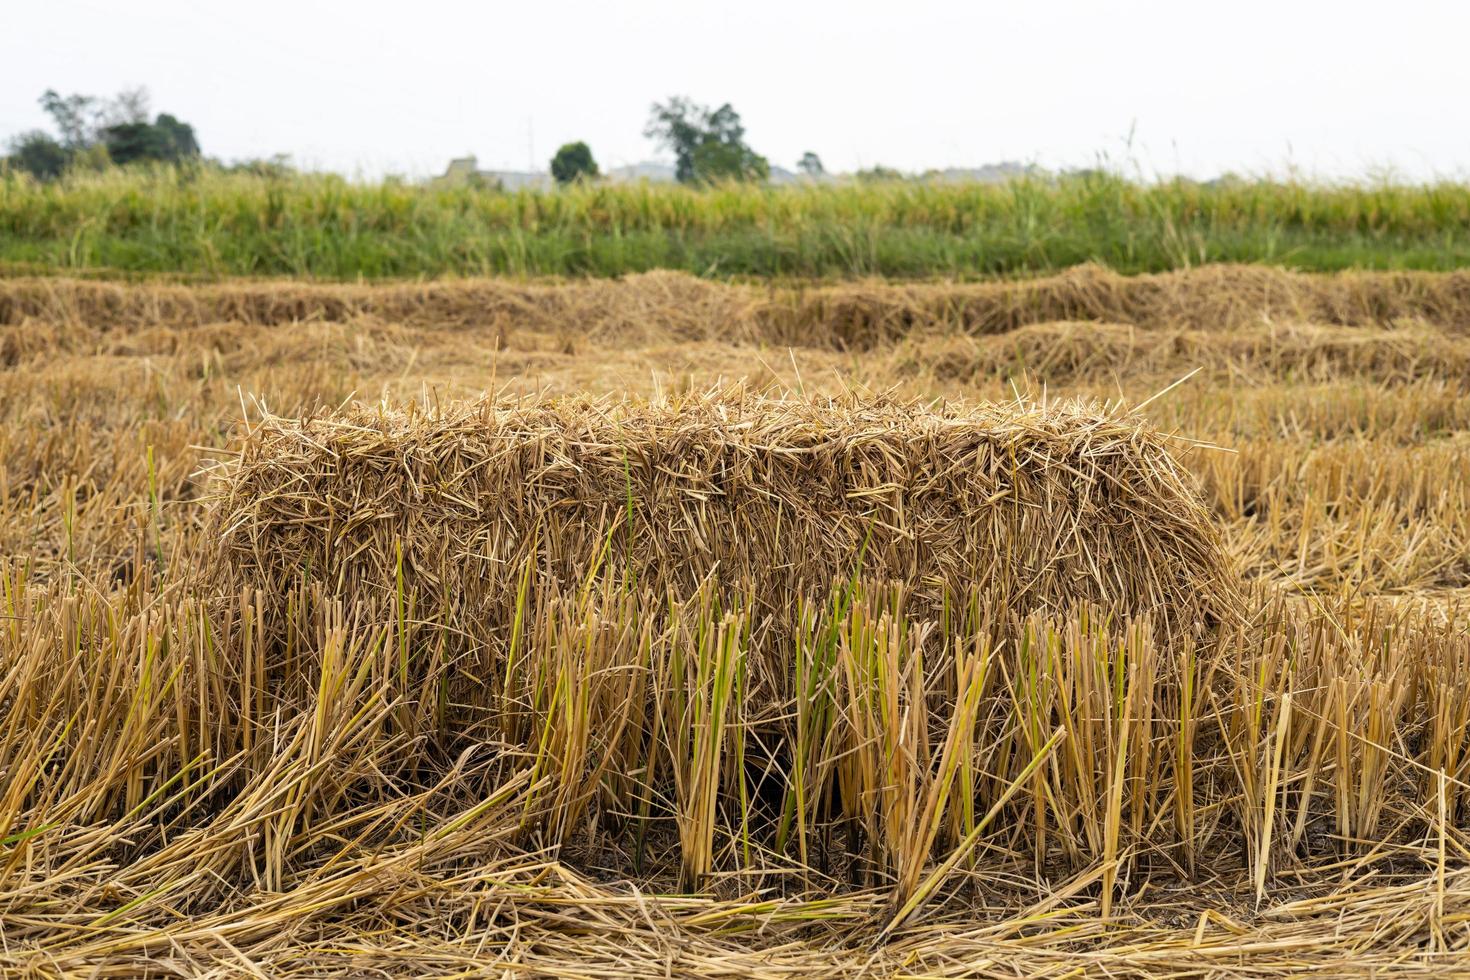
1334	88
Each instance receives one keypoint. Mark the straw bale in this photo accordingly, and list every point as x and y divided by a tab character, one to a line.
1036	507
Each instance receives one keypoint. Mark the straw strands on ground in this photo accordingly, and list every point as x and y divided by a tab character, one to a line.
217	762
1071	352
853	315
626	793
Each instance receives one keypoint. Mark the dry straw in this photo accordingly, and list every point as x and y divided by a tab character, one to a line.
1039	507
183	796
760	619
1079	352
857	314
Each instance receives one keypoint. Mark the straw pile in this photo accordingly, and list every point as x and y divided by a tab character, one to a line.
858	314
1072	352
1036	508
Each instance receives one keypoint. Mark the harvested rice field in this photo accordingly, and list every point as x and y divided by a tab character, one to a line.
1085	625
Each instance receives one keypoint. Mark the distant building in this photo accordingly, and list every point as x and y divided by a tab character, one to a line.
654	173
466	170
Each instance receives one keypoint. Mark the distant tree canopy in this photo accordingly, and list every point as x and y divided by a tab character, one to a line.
708	144
38	154
810	164
92	131
78	118
572	162
165	140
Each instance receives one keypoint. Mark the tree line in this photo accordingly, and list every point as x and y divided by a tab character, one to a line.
92	132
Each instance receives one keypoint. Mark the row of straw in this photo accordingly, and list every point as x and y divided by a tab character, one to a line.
858	314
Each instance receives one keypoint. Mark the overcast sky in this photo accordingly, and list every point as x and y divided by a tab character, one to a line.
1335	89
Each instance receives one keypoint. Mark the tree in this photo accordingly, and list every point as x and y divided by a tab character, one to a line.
95	131
129	142
728	161
118	127
39	155
178	138
131	105
165	140
573	162
708	145
77	118
83	120
810	164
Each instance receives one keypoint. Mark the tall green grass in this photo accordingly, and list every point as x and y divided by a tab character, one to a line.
204	223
